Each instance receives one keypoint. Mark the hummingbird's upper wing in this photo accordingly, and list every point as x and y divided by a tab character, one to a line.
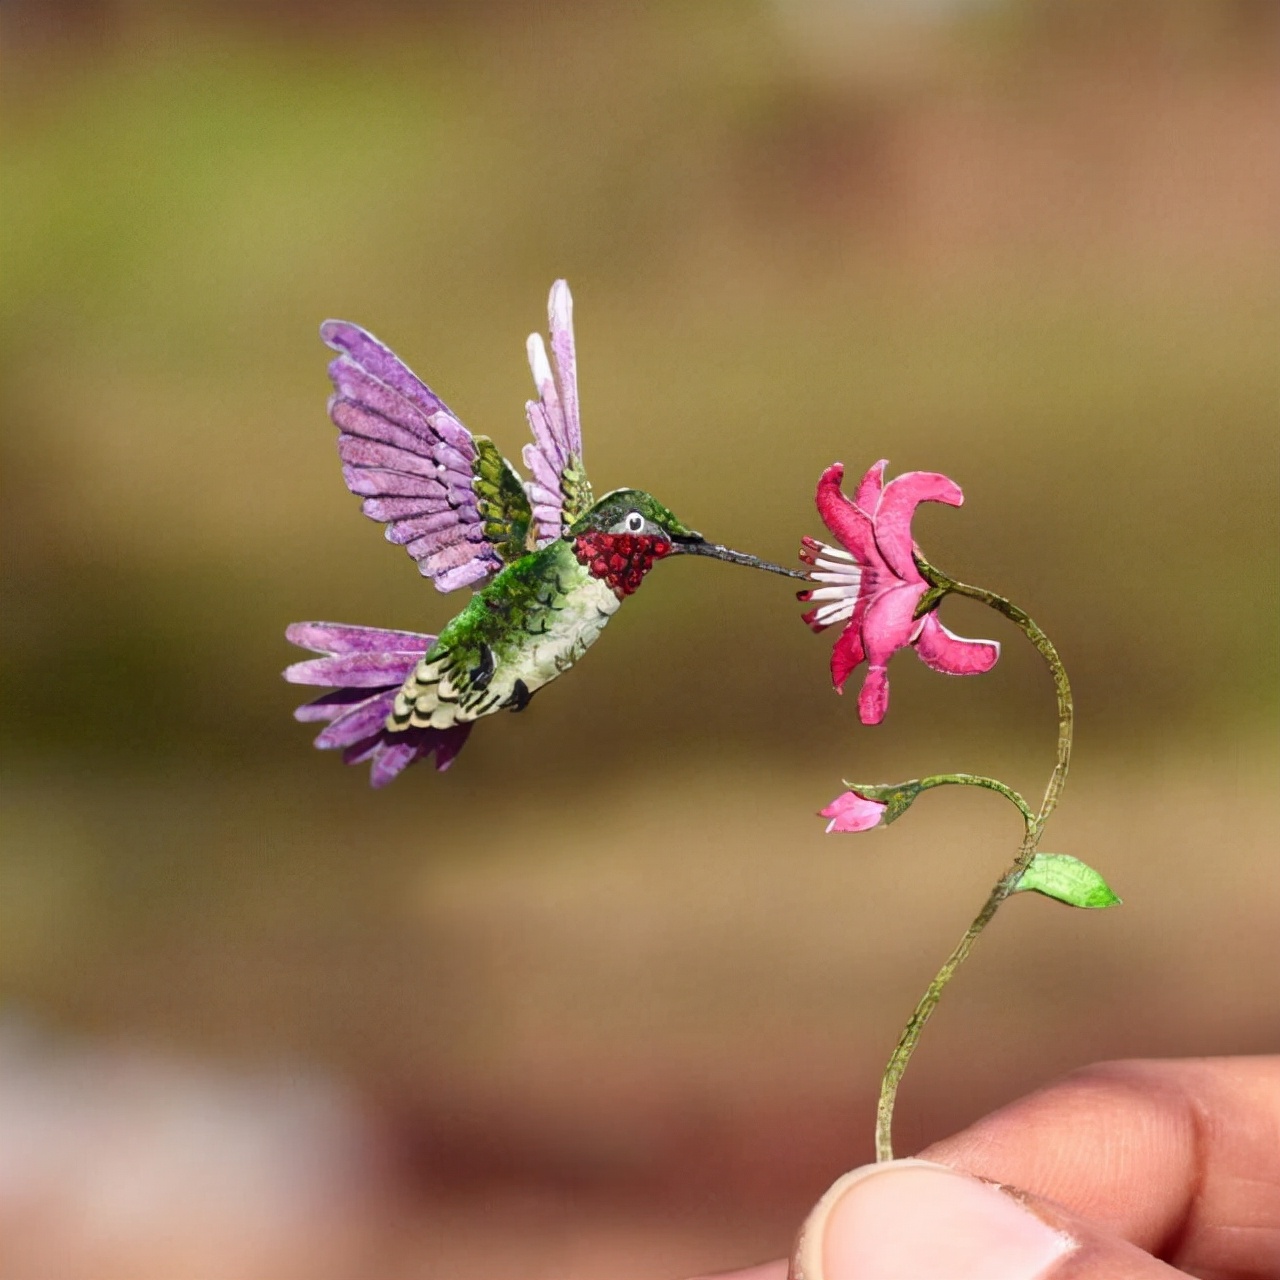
559	489
447	496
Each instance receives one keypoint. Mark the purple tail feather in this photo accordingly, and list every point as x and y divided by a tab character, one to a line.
366	667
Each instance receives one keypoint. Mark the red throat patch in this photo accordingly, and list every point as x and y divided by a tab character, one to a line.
621	559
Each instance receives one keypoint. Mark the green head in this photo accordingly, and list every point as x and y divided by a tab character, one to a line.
631	511
634	514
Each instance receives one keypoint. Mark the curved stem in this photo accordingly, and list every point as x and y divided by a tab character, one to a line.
978	780
1062	686
1033	825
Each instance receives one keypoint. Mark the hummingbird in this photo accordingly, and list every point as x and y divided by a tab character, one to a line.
548	563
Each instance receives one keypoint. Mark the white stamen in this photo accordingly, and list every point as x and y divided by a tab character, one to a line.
837	606
839	552
830	613
829	593
853	580
855	570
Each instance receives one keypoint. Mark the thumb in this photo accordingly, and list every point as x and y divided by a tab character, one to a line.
913	1220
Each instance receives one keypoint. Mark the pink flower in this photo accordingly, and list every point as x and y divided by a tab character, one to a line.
873	584
851	812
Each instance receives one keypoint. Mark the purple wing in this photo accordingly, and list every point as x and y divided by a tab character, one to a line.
408	457
366	666
558	491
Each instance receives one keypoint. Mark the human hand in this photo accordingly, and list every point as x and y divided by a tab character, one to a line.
1124	1171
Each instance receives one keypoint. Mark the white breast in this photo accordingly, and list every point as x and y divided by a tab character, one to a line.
572	631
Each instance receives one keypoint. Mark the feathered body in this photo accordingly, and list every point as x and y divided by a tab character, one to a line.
550	564
530	624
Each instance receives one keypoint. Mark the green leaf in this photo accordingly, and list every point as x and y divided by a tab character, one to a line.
899	796
930	601
1060	876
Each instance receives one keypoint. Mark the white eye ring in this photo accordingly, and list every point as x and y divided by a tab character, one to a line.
635	522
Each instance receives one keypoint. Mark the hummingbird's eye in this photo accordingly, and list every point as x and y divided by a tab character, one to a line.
635	522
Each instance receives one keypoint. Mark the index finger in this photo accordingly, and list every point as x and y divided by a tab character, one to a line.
1182	1157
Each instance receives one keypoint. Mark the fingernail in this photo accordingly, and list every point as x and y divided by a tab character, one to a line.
912	1220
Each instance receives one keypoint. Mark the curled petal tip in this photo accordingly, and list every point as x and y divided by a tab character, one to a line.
867	496
828	489
913	487
951	654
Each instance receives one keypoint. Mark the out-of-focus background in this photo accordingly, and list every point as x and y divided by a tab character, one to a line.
603	1001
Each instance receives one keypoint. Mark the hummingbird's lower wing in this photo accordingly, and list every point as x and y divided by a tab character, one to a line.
559	490
364	668
414	464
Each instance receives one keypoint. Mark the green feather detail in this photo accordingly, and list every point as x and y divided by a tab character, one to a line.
575	489
502	502
517	633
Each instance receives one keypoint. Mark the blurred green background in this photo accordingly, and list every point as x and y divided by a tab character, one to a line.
1030	244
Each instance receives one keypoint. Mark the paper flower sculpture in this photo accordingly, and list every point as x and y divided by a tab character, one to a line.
878	583
871	583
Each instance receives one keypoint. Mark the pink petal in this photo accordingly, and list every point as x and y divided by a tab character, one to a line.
873	698
851	526
951	654
887	626
847	652
850	812
871	487
893	516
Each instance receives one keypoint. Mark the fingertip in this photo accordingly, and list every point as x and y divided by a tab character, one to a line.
923	1220
767	1271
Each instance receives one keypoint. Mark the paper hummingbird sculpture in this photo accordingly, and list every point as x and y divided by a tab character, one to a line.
550	564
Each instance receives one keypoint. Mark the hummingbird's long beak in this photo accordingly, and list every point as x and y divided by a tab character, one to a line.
696	545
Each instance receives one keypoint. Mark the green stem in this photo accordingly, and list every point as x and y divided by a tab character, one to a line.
1033	828
977	780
